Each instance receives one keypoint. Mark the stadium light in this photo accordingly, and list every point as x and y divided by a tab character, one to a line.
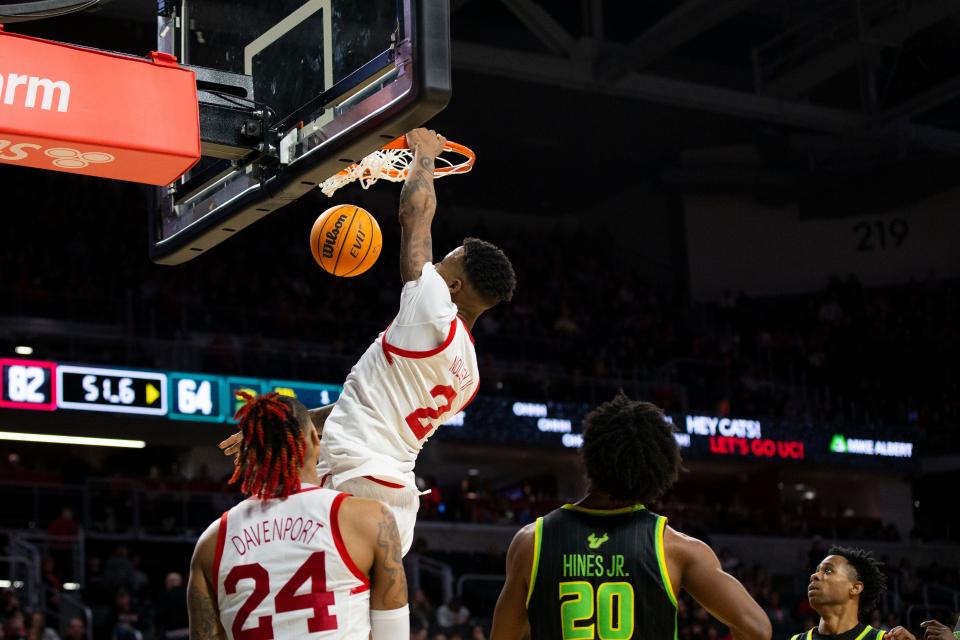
81	440
23	350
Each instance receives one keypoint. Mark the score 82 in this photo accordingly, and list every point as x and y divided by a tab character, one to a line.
23	384
28	384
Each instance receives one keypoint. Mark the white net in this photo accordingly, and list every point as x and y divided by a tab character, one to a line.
383	164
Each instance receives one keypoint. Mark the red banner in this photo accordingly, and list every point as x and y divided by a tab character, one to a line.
66	108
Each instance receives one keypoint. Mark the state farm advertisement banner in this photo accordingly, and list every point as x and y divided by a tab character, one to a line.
66	108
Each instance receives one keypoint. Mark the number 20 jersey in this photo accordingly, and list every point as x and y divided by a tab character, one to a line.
600	574
282	571
394	399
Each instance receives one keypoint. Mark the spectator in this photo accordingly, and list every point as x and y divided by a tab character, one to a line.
451	615
125	620
76	629
119	572
62	533
172	621
63	526
38	628
15	627
421	610
779	617
49	573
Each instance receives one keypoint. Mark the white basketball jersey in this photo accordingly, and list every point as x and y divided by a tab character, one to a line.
394	399
282	571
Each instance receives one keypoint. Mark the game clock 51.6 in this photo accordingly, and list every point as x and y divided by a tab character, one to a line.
111	390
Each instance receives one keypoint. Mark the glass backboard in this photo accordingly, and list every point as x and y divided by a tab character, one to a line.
307	87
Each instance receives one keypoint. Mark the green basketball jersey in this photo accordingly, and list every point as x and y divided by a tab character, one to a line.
600	574
860	632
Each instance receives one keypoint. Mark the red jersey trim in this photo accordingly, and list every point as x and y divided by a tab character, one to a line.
221	540
338	540
359	589
472	396
390	349
467	329
303	489
392	485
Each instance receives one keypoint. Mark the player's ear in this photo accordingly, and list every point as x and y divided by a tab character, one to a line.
857	588
455	286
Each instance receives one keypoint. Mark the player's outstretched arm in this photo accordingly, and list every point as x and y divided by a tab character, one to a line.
418	203
373	542
936	630
717	591
510	617
201	605
231	445
319	416
389	589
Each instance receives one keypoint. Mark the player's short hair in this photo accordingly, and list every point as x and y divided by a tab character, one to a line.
272	446
869	571
629	450
489	270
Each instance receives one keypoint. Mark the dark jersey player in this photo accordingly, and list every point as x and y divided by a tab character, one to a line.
847	583
608	567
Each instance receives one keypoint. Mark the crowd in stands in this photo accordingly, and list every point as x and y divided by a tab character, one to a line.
114	500
576	328
131	604
782	596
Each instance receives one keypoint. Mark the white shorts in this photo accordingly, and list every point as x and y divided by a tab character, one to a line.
404	502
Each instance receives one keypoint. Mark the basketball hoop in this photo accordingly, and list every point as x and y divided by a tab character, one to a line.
392	163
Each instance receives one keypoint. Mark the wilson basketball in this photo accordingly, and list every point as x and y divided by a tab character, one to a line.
345	240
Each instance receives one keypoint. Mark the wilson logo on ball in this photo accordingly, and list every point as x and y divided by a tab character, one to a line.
330	242
345	240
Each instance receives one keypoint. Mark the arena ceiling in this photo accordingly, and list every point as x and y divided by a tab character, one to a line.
845	104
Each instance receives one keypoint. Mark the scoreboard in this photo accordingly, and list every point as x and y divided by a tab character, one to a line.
177	395
28	384
111	390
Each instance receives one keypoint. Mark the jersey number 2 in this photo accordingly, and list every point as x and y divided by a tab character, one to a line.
419	420
318	599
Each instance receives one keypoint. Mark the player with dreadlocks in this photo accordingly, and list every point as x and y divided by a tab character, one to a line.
422	370
848	583
608	567
295	560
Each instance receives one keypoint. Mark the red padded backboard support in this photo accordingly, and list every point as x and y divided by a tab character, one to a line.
66	108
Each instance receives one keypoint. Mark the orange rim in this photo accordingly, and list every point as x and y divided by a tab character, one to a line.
453	147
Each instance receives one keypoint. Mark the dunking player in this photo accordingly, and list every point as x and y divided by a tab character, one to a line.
607	567
295	560
847	583
423	369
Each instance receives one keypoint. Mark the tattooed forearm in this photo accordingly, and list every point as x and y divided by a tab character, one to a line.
418	196
204	618
418	202
394	587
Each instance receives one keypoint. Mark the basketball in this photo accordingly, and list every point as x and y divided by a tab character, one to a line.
345	240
